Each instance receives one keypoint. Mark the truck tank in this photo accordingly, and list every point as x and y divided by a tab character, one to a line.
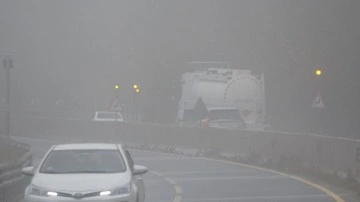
224	87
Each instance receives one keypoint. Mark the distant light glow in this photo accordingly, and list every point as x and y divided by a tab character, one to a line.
137	90
116	86
105	193
51	193
318	72
135	86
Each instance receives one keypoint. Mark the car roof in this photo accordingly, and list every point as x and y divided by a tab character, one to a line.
86	146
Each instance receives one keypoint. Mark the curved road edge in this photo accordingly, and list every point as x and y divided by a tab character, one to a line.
327	191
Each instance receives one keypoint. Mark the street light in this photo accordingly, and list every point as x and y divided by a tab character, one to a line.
137	90
318	72
117	99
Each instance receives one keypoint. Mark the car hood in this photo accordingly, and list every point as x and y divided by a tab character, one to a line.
80	182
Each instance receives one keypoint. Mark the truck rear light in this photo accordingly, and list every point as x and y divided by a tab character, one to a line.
205	122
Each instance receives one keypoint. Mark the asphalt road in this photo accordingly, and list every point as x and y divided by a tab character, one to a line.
174	178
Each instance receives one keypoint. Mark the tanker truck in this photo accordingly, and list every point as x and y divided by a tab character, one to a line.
217	85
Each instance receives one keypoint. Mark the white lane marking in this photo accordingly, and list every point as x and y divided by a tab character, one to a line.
178	189
264	177
333	195
261	197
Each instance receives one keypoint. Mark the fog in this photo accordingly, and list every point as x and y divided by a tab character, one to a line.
74	52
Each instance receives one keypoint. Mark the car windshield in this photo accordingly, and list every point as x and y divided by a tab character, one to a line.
83	161
224	114
108	115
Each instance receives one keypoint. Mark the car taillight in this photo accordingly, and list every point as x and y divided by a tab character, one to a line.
205	122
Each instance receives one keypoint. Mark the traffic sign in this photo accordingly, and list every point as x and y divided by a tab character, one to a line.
116	106
318	102
59	103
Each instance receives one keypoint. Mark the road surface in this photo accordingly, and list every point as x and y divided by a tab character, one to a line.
175	178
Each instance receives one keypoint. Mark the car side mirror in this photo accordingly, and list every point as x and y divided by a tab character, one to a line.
28	171
139	170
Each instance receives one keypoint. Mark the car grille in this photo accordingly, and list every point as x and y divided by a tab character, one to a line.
78	195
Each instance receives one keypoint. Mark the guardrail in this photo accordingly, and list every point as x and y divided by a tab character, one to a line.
332	155
12	182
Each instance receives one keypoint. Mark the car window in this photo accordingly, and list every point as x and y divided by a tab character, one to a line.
83	161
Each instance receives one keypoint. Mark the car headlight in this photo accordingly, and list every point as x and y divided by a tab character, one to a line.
38	191
117	191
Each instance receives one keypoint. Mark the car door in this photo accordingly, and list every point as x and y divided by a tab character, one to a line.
137	178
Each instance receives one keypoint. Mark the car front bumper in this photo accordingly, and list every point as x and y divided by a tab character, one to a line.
119	198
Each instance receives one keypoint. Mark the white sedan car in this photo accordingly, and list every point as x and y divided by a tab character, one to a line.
86	172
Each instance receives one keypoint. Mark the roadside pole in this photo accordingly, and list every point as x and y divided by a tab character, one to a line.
7	64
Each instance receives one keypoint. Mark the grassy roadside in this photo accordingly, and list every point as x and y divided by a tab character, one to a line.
8	151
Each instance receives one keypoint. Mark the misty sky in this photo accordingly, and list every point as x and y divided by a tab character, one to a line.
77	50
